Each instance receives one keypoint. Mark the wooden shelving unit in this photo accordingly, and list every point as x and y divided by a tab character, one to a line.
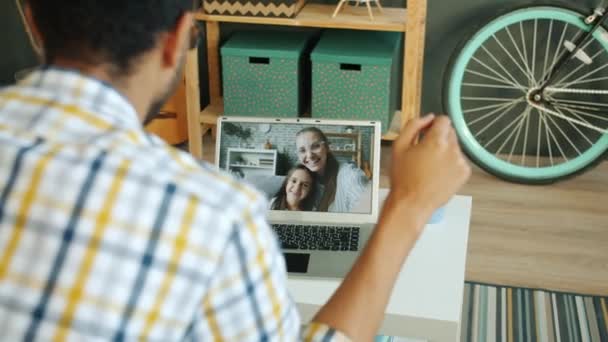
355	153
317	15
411	20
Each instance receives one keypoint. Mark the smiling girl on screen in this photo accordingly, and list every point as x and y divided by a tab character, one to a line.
340	184
297	191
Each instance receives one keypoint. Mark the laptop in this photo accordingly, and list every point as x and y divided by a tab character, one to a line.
321	178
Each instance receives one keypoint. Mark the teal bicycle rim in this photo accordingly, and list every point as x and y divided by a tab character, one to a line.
487	159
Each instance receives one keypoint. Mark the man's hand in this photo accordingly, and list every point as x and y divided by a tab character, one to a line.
424	176
427	173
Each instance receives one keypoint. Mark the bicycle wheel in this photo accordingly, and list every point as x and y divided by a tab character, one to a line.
499	123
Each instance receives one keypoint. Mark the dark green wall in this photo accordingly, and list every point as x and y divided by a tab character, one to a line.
449	21
15	53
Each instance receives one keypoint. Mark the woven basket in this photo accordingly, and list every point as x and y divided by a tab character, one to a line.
255	8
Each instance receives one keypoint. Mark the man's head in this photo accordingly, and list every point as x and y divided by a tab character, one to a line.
138	46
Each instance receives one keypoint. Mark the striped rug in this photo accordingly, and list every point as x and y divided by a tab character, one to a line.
507	314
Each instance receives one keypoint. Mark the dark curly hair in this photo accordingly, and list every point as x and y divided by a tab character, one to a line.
104	31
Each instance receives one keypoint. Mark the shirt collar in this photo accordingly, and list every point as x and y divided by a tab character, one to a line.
93	95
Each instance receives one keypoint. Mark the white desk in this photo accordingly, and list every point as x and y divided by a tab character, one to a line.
427	299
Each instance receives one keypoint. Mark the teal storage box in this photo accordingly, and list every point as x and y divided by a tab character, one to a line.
263	73
357	75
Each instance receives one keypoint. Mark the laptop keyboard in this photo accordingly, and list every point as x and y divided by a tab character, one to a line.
323	238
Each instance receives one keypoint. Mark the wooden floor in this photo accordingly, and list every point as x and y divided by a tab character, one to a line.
551	237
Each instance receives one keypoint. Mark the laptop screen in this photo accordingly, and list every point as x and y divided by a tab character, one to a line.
302	166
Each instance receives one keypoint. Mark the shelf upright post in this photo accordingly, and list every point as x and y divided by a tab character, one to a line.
193	104
413	60
213	58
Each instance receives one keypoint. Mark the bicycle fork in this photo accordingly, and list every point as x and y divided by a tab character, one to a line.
536	97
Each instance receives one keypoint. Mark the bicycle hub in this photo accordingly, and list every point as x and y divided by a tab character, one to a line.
536	96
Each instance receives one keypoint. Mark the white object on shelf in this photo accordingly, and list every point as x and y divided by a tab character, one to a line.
357	2
248	162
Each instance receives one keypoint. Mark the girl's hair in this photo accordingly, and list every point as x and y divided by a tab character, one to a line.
307	204
330	177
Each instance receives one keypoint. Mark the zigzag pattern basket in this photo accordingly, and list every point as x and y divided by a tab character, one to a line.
255	8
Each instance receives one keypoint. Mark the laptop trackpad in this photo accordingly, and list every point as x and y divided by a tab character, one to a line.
296	262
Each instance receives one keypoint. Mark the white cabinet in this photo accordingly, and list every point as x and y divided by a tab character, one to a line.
245	162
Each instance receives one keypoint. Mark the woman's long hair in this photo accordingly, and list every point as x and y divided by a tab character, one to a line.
330	177
307	204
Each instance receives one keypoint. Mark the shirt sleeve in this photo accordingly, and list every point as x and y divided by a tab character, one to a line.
248	299
317	332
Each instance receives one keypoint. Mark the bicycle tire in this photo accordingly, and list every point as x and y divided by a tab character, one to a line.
510	173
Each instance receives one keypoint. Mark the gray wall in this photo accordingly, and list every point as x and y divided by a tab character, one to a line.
449	21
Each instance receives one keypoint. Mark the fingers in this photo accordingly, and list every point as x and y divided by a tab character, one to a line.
441	129
411	131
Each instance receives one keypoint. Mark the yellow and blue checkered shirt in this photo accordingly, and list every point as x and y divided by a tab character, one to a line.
107	233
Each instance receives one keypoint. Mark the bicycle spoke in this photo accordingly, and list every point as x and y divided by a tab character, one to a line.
474	72
557	50
576	128
598	69
495	120
582	64
592	80
512	58
542	117
520	125
512	82
519	53
523	40
534	52
561	82
570	109
504	129
521	56
575	115
481	85
565	105
497	99
516	130
538	138
501	66
564	135
559	147
505	108
554	113
523	151
587	103
478	109
548	46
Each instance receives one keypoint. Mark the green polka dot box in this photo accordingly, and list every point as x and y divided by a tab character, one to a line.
357	75
262	73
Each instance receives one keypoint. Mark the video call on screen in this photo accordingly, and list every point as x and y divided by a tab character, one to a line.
303	167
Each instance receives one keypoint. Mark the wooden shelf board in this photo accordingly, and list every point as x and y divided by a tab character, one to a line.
253	166
390	136
212	112
344	152
393	131
319	15
343	135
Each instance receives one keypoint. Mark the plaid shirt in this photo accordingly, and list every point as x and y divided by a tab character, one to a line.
108	233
